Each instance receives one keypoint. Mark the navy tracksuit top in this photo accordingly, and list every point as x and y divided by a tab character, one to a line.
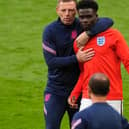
63	70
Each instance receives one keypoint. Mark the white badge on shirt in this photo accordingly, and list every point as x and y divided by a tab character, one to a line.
100	41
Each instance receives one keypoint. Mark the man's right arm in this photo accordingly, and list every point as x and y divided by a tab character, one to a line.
50	52
54	61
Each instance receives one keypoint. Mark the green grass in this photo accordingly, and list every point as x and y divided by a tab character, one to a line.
23	72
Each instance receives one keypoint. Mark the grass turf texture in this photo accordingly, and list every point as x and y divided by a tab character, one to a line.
23	72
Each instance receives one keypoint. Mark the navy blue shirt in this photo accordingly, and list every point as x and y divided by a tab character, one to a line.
99	116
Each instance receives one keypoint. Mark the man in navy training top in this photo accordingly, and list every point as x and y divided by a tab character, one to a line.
62	63
99	115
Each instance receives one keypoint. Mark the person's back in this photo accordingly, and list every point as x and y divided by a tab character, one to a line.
99	115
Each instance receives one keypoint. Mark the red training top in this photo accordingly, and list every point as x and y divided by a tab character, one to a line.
110	49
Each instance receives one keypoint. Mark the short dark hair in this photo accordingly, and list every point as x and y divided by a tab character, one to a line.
85	4
99	84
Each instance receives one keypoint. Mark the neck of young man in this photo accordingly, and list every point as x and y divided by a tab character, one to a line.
98	99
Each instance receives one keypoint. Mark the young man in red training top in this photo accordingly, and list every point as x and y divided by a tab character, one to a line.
110	50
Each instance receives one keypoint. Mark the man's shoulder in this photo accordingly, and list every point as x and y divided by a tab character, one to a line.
86	110
84	114
114	30
51	25
110	31
50	28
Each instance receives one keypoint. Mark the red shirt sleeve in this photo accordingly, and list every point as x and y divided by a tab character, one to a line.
78	87
122	50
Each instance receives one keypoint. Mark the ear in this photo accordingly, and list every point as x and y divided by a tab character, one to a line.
97	15
57	9
76	11
89	91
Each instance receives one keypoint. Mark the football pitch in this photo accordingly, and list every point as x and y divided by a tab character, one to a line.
23	72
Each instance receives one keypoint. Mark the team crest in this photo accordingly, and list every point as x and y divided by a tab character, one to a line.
74	34
100	41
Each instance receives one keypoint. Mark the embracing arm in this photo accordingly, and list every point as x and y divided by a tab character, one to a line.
54	61
50	52
58	62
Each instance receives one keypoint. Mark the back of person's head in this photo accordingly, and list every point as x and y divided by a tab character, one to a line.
99	84
85	4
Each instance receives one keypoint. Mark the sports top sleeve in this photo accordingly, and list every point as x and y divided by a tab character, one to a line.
125	124
78	87
78	122
50	52
122	49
